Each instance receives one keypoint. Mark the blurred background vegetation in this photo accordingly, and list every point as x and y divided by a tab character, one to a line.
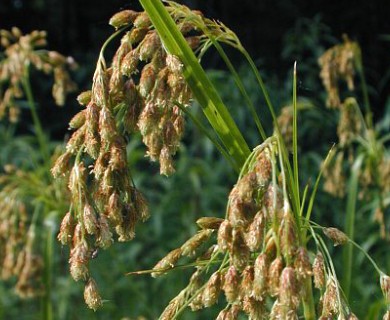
276	33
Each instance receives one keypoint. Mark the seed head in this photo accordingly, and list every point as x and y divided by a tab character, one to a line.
104	239
66	229
246	287
274	273
302	264
260	280
190	246
225	235
385	286
90	219
255	235
387	315
231	284
84	98
209	223
91	295
338	237
167	262
289	291
330	299
212	290
319	271
123	18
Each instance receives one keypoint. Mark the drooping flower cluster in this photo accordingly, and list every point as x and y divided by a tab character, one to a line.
339	63
21	51
257	261
141	90
18	244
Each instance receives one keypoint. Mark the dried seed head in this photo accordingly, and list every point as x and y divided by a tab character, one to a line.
66	229
387	315
166	162
123	18
140	204
212	290
78	261
174	64
330	300
149	45
255	235
289	291
240	252
104	239
147	80
191	245
260	280
255	309
274	272
288	236
385	286
319	271
225	235
62	165
212	223
246	287
90	219
167	262
302	264
338	237
231	284
114	209
91	295
351	316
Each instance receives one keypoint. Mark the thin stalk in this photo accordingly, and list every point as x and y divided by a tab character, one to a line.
350	224
295	133
47	303
366	98
241	87
37	123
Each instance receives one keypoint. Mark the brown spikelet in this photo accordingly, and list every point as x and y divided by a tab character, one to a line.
338	237
274	272
91	295
319	271
231	283
209	223
167	262
260	280
212	290
190	246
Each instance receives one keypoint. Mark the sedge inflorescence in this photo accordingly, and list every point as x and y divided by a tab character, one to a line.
253	261
21	51
142	90
355	130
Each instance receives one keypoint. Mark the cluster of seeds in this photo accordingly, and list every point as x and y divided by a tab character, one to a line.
20	51
140	91
19	256
339	63
257	261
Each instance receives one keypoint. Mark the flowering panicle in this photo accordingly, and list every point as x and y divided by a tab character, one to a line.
19	256
142	90
339	63
258	264
20	51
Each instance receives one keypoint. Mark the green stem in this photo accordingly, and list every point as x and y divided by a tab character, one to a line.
350	224
365	97
37	123
47	303
308	300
